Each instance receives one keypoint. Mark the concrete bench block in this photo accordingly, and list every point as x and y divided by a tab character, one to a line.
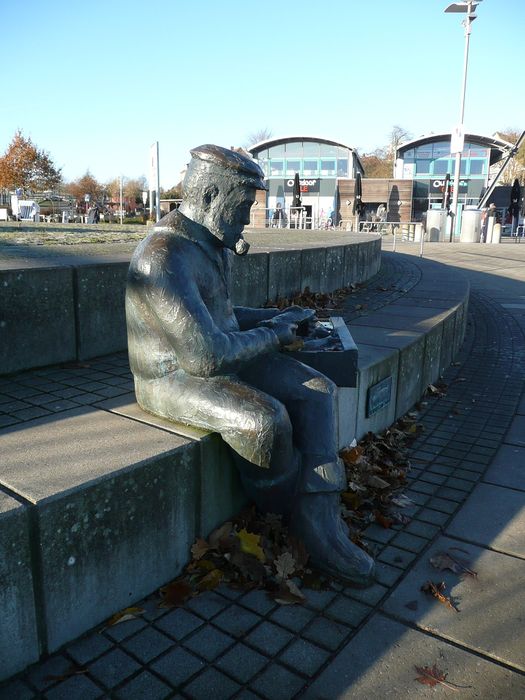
101	319
409	383
376	365
250	280
334	277
115	505
346	415
18	629
284	274
350	270
447	342
37	321
432	359
221	492
313	268
460	326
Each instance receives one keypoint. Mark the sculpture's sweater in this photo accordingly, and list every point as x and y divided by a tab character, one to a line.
178	307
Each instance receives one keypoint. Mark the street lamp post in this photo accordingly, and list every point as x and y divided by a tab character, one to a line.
457	139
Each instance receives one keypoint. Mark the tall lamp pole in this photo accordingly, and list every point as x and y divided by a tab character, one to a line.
457	140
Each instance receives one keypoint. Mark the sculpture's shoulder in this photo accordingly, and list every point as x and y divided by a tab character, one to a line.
165	246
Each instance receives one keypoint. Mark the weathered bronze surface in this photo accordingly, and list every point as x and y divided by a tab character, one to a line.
198	360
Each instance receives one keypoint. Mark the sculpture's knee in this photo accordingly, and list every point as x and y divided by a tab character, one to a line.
274	432
321	385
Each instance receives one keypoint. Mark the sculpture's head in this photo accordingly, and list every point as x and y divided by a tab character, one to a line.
219	191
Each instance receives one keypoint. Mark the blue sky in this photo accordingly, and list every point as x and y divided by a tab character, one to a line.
96	83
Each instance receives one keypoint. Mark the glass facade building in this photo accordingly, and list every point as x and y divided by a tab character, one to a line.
426	161
318	162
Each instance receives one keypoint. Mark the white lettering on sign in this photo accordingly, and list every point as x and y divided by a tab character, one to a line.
303	183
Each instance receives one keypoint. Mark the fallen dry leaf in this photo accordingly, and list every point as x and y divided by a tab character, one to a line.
445	560
288	594
210	581
432	677
199	548
436	590
285	565
124	616
250	544
175	593
71	671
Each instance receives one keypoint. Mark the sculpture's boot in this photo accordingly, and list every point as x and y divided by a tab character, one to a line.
316	520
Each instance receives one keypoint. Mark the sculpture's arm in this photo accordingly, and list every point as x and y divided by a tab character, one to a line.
201	347
248	318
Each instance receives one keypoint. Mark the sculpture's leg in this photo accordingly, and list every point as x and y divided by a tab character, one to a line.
310	400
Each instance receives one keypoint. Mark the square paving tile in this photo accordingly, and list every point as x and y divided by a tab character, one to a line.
208	642
236	620
145	685
75	687
277	683
347	611
112	668
304	657
269	638
148	644
492	604
293	617
508	467
177	666
242	663
379	663
212	685
327	633
179	623
493	516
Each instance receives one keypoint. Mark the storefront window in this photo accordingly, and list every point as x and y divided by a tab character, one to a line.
276	167
342	167
441	149
327	167
477	167
294	148
293	166
311	149
441	167
463	167
423	166
327	150
311	167
276	151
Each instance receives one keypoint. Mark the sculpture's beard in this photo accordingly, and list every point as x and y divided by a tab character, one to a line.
241	246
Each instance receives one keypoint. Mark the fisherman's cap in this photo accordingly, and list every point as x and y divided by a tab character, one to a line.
242	166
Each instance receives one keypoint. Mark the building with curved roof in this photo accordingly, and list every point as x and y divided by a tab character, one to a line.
427	160
319	162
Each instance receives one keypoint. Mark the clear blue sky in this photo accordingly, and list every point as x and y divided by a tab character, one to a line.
96	83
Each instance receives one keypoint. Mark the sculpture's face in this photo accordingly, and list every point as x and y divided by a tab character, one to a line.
229	213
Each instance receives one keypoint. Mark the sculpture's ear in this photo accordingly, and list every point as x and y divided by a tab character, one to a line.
209	194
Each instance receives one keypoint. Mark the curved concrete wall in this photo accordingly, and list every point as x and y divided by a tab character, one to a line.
59	314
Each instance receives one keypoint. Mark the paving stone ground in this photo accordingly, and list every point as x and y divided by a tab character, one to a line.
468	487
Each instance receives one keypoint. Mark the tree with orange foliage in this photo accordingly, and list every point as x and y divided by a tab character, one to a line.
26	166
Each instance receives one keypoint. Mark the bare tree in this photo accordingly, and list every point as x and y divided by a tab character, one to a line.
516	168
257	136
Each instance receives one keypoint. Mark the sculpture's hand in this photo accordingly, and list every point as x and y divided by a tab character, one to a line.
284	331
295	314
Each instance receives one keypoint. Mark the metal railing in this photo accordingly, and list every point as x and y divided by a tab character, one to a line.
293	218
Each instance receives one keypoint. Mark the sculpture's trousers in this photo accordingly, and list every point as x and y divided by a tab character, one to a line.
278	415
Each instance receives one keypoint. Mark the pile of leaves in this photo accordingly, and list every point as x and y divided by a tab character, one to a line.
323	302
253	550
376	471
